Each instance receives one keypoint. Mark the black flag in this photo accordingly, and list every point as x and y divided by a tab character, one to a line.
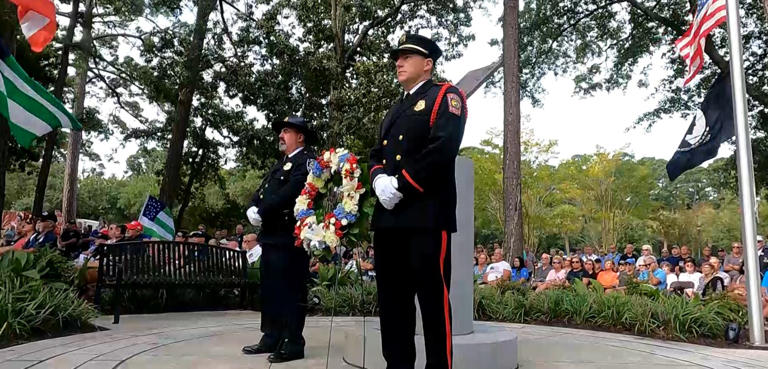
712	125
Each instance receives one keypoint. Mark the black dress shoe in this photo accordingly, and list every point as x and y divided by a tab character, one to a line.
257	349
284	356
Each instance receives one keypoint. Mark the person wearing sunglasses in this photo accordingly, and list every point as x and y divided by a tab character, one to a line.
732	263
25	230
577	271
556	275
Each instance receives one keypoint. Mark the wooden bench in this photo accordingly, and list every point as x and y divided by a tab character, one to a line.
169	264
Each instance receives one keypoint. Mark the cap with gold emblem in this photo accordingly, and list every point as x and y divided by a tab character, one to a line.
417	44
299	123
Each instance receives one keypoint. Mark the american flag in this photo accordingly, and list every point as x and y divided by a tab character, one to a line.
709	14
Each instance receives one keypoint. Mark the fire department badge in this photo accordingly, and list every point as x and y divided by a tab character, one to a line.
288	166
420	105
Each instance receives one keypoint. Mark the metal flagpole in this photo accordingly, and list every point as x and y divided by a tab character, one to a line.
746	176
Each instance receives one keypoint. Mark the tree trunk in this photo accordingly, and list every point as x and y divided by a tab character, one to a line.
58	92
334	133
513	209
69	196
171	180
567	245
8	35
186	197
765	7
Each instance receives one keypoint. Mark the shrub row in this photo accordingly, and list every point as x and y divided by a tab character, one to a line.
648	314
641	312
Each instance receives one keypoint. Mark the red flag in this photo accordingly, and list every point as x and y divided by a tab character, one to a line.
709	14
38	22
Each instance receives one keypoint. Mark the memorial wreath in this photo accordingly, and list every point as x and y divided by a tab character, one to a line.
317	228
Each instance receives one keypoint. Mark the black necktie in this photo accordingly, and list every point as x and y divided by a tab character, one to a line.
406	96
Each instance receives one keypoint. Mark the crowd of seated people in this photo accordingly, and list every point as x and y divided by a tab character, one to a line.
675	271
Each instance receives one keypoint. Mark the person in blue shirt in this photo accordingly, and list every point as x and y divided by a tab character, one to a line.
611	255
45	235
765	281
655	276
519	271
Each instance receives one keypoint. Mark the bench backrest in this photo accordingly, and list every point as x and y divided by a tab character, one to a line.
170	262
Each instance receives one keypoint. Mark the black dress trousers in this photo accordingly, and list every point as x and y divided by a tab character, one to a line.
284	277
414	263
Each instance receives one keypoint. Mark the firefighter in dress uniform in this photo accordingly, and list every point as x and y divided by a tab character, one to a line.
284	267
412	167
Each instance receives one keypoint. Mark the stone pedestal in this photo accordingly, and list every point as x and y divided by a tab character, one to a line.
475	347
487	347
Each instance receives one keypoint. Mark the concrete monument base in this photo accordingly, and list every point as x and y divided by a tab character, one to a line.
488	347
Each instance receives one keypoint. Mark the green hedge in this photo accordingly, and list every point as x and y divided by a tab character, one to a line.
645	312
37	299
642	311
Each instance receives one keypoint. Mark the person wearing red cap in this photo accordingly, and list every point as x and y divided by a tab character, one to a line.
133	232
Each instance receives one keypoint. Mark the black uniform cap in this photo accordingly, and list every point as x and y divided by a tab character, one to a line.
417	44
298	123
48	216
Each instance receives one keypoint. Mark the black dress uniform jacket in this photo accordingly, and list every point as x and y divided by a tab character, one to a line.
418	144
422	156
277	195
284	267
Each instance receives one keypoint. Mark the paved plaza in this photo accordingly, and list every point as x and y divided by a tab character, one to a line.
212	340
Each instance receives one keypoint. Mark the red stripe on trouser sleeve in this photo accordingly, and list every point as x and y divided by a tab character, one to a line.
446	301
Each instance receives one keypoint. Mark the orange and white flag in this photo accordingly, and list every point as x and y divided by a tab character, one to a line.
38	22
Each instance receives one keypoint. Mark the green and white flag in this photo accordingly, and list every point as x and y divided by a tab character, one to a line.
157	220
31	110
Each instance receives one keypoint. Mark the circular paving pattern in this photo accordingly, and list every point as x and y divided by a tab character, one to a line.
209	340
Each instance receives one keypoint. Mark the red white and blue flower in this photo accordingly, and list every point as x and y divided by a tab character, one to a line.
310	233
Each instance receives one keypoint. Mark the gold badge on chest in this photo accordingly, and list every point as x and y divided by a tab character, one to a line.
420	105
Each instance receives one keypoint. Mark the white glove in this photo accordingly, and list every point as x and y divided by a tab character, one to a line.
253	216
390	203
386	190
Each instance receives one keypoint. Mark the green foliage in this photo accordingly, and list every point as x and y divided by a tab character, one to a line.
329	276
647	314
36	298
179	299
254	272
33	307
604	198
606	46
348	300
44	264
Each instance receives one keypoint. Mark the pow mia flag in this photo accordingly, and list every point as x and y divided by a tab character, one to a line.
712	125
